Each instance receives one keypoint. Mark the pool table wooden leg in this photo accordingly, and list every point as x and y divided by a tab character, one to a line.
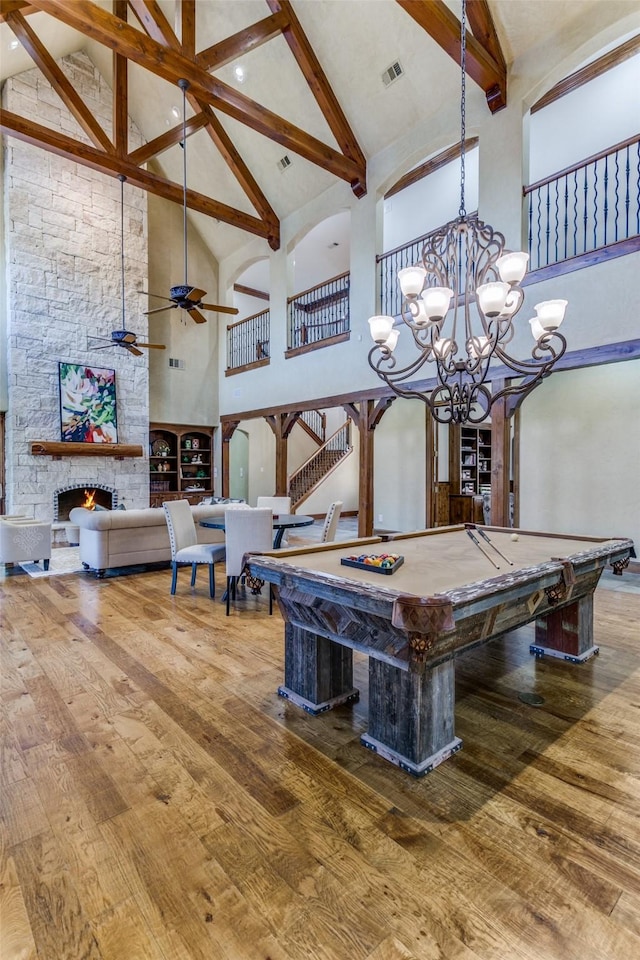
411	715
567	633
318	673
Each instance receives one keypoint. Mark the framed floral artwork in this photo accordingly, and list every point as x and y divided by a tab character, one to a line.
87	404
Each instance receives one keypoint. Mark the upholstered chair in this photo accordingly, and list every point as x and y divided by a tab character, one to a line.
245	531
185	548
329	527
331	522
23	540
277	505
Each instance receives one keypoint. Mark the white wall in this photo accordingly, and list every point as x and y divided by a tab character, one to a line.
188	395
559	135
580	453
400	467
430	202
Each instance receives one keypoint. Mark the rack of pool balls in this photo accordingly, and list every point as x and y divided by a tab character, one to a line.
374	562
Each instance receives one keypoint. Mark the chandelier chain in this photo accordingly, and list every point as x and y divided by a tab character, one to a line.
463	106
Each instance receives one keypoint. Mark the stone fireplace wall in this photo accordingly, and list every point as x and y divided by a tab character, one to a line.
62	244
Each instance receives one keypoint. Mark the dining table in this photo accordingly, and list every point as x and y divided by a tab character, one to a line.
281	522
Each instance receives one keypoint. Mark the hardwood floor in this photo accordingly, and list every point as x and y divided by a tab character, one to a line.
160	802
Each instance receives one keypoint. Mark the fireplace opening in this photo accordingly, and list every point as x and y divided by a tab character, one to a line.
89	495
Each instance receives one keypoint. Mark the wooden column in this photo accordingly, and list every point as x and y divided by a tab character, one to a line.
431	460
228	428
282	424
366	415
500	459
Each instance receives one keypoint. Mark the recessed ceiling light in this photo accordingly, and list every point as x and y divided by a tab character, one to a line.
240	73
175	112
14	45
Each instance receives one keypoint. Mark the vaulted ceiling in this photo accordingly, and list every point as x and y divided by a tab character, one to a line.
312	89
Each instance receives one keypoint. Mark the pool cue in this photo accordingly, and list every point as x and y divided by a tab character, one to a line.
481	548
489	540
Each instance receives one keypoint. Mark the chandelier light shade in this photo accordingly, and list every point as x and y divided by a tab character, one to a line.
459	305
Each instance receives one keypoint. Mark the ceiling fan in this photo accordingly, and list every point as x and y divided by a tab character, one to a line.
125	338
128	340
184	296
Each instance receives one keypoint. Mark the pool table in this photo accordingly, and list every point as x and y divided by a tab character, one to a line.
452	592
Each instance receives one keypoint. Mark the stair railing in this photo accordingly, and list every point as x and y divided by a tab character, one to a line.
315	424
320	464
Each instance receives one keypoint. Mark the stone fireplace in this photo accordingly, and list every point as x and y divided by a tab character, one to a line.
88	495
62	245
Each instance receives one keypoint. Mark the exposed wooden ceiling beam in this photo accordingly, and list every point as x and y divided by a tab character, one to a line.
159	29
110	164
98	23
187	11
15	6
443	26
322	91
236	164
50	69
120	97
484	31
166	140
241	43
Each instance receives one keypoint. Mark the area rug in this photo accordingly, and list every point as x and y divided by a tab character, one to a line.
63	560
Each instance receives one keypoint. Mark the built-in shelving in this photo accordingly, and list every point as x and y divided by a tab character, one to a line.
180	462
475	460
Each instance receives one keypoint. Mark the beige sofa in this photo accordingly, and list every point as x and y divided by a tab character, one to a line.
123	538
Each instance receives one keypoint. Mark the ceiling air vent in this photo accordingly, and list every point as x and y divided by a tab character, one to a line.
394	72
284	162
176	364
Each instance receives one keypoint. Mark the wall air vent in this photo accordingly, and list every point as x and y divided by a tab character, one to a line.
394	72
284	162
176	364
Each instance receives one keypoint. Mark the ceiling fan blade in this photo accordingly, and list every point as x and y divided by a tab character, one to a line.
158	296
159	309
195	295
218	308
132	349
105	346
196	315
152	346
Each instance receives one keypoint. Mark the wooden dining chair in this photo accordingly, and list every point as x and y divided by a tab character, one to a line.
185	548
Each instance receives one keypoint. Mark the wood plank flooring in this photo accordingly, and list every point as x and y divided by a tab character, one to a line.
160	802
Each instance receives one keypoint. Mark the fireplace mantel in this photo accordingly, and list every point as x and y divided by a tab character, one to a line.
64	448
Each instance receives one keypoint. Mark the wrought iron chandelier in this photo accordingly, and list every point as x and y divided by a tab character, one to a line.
465	269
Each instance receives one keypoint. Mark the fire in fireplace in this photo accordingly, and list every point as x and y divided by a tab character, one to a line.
89	495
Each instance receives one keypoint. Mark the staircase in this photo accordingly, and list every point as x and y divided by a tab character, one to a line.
314	423
319	465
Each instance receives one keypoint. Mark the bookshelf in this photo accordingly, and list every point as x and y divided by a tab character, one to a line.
180	462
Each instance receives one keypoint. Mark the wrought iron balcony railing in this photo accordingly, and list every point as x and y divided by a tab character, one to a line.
585	207
248	341
319	314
